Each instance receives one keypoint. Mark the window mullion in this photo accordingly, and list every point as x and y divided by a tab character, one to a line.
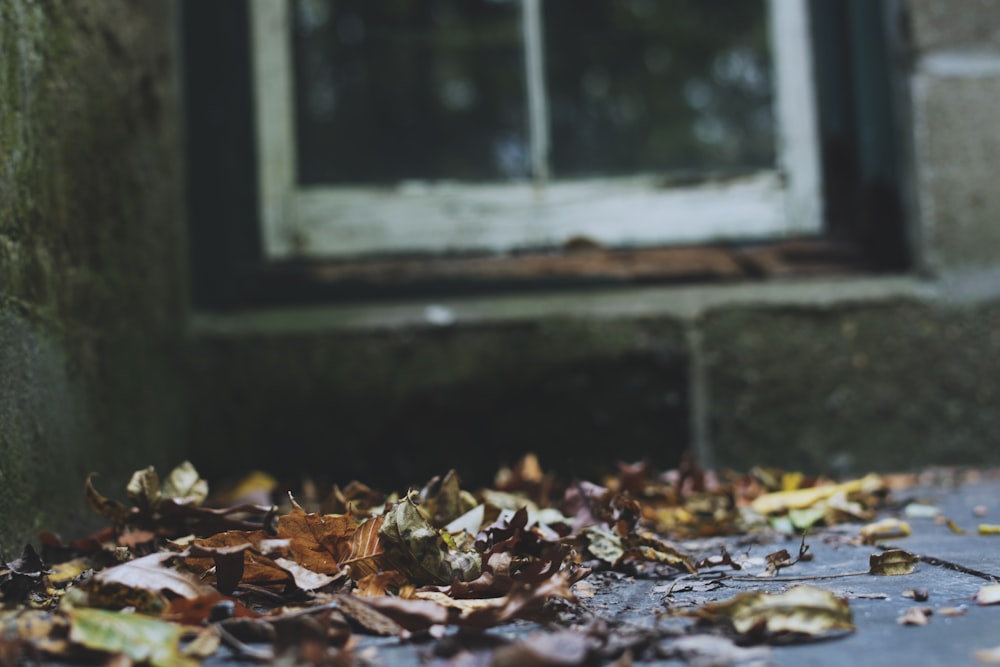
534	70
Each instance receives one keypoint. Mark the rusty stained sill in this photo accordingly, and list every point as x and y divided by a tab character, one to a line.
583	261
676	282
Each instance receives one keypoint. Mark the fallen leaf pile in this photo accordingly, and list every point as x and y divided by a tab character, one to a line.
174	578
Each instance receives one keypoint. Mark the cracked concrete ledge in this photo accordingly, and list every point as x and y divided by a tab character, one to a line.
687	302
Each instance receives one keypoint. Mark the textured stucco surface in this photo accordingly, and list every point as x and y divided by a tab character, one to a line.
91	280
953	71
890	386
957	141
395	407
944	24
95	373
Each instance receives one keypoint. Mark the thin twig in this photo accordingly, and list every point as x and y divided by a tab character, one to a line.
809	577
242	648
955	567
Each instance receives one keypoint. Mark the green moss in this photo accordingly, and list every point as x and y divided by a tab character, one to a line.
90	250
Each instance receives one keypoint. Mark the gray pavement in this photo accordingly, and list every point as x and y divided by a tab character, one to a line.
637	608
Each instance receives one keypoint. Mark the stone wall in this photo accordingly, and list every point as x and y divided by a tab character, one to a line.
394	406
954	87
92	287
823	375
834	375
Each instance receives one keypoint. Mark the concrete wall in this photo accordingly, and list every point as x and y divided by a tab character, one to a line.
955	92
91	254
844	375
825	375
395	406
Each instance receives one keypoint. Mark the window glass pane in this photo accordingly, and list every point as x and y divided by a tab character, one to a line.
652	86
394	90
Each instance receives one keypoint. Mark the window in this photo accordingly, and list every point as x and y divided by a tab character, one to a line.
478	156
485	126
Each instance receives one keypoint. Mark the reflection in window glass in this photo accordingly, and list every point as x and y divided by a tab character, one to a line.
392	90
389	91
653	86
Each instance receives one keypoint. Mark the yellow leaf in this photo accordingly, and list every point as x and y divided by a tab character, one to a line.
44	630
884	529
954	527
802	610
989	529
142	638
893	562
781	501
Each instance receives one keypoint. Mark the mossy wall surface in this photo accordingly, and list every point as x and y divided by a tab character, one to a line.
91	253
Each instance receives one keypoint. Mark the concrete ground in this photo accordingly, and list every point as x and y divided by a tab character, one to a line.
634	611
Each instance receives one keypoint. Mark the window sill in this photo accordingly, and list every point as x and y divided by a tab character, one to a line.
581	264
684	302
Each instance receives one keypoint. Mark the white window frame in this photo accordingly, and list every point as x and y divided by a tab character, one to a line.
335	222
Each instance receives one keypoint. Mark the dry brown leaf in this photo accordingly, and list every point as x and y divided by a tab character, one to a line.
443	499
366	616
379	583
197	611
45	630
526	600
365	556
112	510
705	649
152	573
413	614
647	547
561	648
227	551
884	530
915	616
800	611
304	578
893	562
320	543
239	557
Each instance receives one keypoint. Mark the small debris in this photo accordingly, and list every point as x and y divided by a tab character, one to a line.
989	594
988	656
884	529
960	610
921	511
915	616
954	527
916	594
